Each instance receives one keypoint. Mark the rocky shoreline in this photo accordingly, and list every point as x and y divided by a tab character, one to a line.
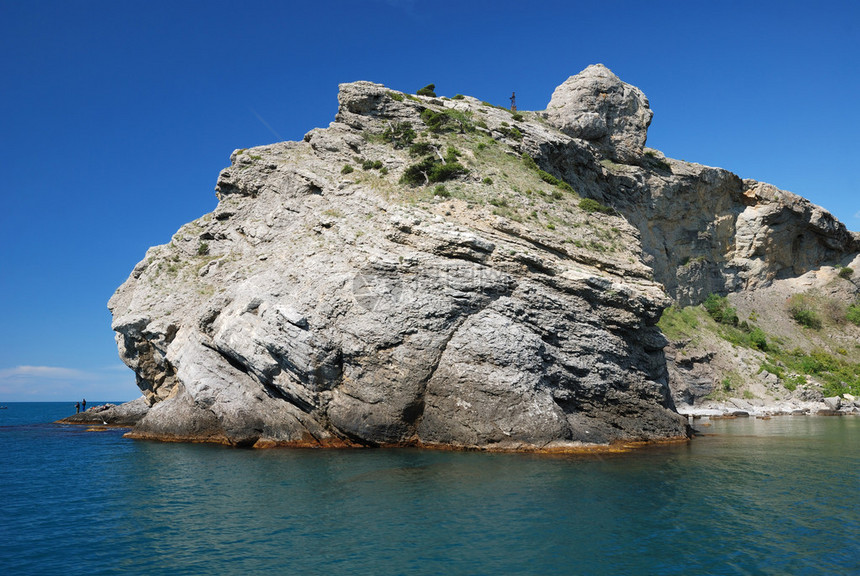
124	415
845	405
129	414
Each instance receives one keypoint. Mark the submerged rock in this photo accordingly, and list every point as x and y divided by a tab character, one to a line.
405	277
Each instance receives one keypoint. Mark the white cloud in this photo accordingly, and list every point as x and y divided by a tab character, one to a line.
43	373
57	383
857	215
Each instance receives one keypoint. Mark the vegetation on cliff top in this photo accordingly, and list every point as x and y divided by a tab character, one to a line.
473	155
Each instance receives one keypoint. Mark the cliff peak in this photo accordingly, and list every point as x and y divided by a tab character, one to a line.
597	106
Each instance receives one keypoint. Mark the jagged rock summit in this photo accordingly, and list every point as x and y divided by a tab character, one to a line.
432	272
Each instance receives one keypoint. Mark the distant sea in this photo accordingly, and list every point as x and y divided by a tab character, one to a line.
775	496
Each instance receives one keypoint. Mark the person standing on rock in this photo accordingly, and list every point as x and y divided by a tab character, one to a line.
84	404
77	407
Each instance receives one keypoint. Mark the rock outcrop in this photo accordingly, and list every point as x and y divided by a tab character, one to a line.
704	230
707	231
409	276
123	415
595	105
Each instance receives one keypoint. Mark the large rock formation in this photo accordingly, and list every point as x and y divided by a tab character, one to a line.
704	230
341	295
597	106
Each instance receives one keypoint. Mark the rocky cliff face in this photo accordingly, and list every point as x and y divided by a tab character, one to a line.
409	276
704	230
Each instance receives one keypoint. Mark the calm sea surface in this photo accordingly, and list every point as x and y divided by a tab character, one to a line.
780	496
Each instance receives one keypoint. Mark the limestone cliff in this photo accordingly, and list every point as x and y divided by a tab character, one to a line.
704	230
442	272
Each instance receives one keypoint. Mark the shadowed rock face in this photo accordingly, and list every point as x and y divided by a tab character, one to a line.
704	230
325	303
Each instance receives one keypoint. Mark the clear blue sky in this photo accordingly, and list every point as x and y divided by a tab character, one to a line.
117	116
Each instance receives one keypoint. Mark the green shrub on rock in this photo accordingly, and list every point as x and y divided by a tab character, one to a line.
758	339
807	318
549	178
510	132
801	310
401	134
718	308
430	170
442	172
420	149
429	90
592	205
530	162
447	121
418	173
853	313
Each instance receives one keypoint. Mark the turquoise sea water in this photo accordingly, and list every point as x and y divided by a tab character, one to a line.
750	497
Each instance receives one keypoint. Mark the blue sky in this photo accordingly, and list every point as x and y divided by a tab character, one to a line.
118	116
